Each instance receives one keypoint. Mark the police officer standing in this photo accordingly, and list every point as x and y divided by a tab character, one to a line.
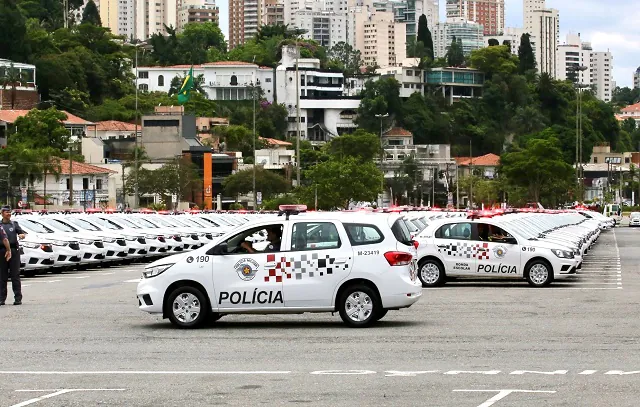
10	257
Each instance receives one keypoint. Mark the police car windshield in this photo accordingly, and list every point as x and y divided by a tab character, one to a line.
35	226
192	222
522	231
126	222
83	224
144	222
203	219
223	221
163	222
106	224
55	223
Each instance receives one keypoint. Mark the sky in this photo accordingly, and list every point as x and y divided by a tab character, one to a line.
610	25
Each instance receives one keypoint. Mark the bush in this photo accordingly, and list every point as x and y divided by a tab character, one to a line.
236	206
286	199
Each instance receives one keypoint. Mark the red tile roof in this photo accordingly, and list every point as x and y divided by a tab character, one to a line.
275	142
114	125
223	63
632	108
218	63
398	131
487	160
82	168
10	116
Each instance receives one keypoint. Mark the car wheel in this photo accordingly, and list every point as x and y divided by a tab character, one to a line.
381	314
359	305
29	273
187	307
431	273
539	273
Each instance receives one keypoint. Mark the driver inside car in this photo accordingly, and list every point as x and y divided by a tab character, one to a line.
274	236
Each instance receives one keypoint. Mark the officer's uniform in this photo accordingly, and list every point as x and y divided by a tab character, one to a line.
12	267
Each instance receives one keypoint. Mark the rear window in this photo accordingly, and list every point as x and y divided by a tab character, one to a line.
401	232
362	234
314	236
460	231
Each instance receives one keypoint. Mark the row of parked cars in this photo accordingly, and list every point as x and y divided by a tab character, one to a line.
361	263
61	241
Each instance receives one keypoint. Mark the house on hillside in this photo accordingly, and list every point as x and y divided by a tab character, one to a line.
484	165
77	126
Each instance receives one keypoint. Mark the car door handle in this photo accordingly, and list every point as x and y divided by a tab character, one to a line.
270	265
481	249
442	246
340	261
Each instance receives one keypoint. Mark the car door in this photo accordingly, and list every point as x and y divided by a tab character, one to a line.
320	257
244	280
501	252
456	249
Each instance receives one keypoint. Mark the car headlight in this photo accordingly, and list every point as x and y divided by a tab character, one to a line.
184	235
152	237
85	241
108	240
59	243
30	245
563	254
216	234
132	238
156	270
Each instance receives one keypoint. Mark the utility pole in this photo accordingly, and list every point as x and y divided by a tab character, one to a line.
135	149
71	173
255	194
381	117
298	117
470	176
65	5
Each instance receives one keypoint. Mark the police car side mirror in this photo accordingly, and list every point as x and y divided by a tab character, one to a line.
219	250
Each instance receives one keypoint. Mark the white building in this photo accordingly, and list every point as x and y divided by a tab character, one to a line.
546	27
138	19
326	27
469	33
513	35
598	66
431	9
324	110
601	75
407	74
224	80
529	6
636	79
572	55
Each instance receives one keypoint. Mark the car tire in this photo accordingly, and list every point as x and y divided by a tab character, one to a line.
187	307
539	273
381	314
431	273
359	306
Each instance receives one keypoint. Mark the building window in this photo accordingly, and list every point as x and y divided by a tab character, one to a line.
161	80
85	183
143	86
143	75
595	160
98	184
234	80
68	184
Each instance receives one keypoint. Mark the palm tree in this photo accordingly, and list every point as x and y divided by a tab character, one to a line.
13	77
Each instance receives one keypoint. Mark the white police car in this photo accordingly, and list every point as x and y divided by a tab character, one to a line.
361	265
486	247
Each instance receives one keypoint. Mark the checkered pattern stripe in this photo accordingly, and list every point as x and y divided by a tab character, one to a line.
303	266
466	250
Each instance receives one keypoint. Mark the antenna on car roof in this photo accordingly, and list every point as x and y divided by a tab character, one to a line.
289	210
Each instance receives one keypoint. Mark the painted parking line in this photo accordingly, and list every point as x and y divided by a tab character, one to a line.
145	372
54	393
501	394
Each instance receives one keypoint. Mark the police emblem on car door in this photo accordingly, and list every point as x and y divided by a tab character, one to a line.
240	274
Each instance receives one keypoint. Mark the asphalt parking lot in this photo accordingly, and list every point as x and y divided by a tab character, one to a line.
80	340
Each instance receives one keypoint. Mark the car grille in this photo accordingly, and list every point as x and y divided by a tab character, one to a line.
74	246
161	239
99	245
209	236
47	248
177	238
194	237
121	242
142	240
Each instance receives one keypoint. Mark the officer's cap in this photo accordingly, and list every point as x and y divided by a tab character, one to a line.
6	208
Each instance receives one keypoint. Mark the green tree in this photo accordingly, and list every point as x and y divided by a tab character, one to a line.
494	60
268	182
345	58
339	182
525	55
91	15
623	97
41	129
455	54
380	97
360	145
197	39
240	138
424	36
14	44
539	167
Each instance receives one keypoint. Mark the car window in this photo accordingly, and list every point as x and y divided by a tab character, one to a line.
361	234
35	226
491	233
401	232
257	237
84	224
62	226
460	231
314	236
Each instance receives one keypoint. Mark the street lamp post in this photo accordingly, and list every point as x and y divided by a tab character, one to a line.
255	194
381	117
579	169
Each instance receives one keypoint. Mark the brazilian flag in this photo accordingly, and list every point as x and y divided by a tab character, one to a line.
185	91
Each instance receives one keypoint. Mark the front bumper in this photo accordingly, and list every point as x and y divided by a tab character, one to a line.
150	298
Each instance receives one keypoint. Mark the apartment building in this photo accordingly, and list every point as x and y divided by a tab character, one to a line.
469	33
571	55
489	13
636	79
272	12
326	27
380	40
602	75
197	11
244	20
546	27
118	16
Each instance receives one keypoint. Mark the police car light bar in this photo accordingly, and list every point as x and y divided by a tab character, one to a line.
292	208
